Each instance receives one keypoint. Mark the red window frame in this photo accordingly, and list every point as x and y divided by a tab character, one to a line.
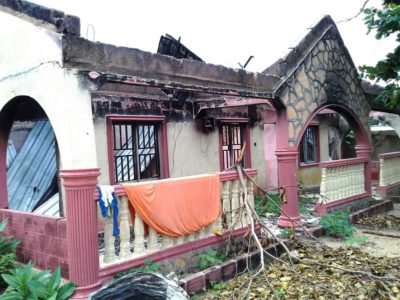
316	148
160	121
245	137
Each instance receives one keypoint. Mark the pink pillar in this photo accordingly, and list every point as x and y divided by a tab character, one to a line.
82	223
364	151
287	176
269	155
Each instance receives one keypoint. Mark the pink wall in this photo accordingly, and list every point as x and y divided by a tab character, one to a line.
43	239
271	166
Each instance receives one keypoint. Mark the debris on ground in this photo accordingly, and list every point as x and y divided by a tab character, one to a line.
380	221
322	279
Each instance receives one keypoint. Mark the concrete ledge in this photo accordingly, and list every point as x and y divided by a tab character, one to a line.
375	209
228	269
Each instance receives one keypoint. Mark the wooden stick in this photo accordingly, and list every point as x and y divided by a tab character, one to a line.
382	233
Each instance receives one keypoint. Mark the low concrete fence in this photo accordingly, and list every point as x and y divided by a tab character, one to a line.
389	173
134	244
342	181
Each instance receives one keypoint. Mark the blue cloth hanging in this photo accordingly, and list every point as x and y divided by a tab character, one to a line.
109	210
115	210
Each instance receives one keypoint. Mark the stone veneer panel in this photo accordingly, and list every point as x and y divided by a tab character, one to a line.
327	75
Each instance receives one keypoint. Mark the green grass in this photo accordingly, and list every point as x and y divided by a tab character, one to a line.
265	205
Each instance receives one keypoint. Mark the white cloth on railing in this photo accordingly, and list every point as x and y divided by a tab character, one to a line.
109	205
107	194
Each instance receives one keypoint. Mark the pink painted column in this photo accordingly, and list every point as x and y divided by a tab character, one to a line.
82	223
364	151
269	155
287	177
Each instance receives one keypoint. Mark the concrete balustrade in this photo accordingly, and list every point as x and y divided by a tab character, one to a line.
134	243
389	169
341	179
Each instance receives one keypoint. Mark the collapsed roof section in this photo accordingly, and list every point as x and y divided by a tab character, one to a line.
133	66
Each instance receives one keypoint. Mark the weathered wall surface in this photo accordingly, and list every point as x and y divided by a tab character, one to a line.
258	155
191	151
384	142
326	76
36	72
309	176
323	139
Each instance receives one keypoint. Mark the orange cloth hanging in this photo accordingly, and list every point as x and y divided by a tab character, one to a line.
176	207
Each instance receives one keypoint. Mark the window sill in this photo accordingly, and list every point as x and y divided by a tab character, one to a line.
305	165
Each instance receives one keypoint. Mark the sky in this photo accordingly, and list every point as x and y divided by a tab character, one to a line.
224	32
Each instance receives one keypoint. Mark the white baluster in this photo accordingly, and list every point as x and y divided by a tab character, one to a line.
124	232
226	203
242	210
109	239
180	240
346	179
323	186
382	172
152	242
236	203
139	235
332	183
361	178
167	241
354	179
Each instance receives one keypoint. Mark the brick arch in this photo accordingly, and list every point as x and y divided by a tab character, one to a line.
19	108
326	76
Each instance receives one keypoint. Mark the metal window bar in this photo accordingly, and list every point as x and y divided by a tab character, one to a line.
232	143
308	146
135	145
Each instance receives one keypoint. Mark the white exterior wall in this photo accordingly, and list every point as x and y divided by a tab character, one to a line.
31	59
258	161
191	151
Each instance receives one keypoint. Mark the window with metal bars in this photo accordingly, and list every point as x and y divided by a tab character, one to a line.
309	146
136	151
233	137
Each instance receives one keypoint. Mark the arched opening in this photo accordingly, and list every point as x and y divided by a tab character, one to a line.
331	133
29	159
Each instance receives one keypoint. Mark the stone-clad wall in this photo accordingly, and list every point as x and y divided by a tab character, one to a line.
327	75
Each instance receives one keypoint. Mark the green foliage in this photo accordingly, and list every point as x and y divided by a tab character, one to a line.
337	224
27	283
7	264
279	292
385	21
209	258
272	204
217	285
356	240
6	244
267	204
149	266
288	233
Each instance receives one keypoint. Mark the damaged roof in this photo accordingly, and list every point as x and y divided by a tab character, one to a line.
128	65
42	16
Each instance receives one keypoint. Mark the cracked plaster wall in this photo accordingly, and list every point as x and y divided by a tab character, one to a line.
326	76
35	71
190	151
